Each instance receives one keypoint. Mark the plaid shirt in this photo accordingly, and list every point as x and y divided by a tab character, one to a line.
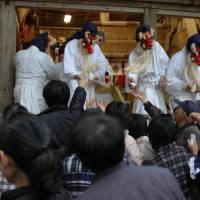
175	158
78	178
5	185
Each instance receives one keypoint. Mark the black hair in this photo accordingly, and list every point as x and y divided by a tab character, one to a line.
137	125
143	29
56	92
61	49
162	131
98	141
91	111
193	39
12	108
119	110
26	140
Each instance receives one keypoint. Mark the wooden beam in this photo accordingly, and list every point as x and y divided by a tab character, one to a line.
115	23
104	17
60	28
79	6
7	52
178	13
125	17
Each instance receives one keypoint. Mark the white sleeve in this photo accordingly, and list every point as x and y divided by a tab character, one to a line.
51	70
164	60
130	75
175	81
102	63
70	68
132	149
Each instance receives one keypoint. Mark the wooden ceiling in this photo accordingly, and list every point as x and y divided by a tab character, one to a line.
52	18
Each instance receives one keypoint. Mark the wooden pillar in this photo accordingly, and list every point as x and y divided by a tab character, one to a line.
150	18
7	51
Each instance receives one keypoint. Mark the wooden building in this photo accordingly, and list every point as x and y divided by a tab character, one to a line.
174	20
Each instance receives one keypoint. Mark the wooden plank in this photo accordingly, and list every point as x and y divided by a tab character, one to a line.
178	13
107	6
127	1
79	6
7	52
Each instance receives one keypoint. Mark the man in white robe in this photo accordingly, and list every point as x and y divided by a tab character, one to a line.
83	57
33	67
183	72
146	69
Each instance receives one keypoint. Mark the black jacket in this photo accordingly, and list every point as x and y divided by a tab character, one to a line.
61	119
26	193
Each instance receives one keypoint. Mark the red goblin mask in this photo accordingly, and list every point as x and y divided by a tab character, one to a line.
195	55
88	42
146	40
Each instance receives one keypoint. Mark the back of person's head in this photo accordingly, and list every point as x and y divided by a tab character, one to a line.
13	108
98	141
162	131
118	110
25	140
56	92
182	111
89	26
40	41
142	29
137	125
194	39
91	111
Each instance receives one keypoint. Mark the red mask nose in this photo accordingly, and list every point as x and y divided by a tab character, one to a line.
148	43
197	60
89	48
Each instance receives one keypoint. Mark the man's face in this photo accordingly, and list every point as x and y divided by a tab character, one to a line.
179	116
100	40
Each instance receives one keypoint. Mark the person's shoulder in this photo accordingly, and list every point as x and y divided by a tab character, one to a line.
73	42
62	195
179	55
154	172
190	128
21	52
133	51
158	46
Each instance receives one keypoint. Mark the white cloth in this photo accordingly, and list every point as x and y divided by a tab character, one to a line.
33	68
61	73
176	77
75	62
132	149
149	80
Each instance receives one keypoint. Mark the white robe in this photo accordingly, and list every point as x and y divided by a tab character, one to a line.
74	64
176	77
33	68
150	79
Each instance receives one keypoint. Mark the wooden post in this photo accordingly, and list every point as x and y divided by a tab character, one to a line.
7	51
150	18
